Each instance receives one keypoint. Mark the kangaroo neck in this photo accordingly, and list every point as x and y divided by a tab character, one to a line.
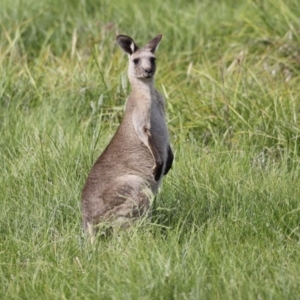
142	88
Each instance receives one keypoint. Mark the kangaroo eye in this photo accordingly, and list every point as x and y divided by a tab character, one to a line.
136	61
153	60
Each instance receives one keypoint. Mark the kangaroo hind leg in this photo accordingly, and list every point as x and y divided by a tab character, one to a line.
126	201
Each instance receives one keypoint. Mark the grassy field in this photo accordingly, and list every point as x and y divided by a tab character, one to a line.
226	222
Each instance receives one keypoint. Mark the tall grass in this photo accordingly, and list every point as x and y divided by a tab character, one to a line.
226	221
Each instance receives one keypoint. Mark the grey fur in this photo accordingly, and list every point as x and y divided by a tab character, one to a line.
126	176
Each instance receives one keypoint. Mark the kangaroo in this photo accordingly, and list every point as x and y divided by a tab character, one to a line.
123	181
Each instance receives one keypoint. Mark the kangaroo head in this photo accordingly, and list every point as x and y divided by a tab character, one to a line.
141	60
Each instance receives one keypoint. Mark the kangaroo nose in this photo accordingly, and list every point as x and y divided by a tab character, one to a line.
148	71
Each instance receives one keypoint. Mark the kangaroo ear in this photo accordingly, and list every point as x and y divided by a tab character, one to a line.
127	44
152	45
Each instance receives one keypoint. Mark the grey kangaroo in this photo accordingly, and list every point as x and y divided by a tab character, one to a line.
123	181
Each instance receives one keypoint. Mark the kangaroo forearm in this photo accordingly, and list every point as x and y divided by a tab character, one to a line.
169	161
158	162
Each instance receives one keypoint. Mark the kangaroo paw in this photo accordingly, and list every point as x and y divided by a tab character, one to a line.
157	170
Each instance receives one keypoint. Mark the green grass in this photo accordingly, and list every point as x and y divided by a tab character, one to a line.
226	223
